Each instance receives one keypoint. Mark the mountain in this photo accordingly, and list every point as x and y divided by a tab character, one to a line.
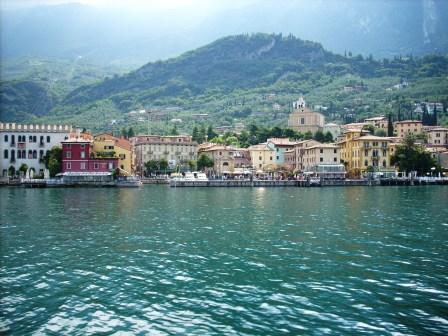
133	35
242	78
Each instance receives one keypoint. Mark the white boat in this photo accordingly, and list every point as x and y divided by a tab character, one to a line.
189	177
129	182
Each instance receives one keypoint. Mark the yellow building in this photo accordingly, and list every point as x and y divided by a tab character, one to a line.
304	120
262	157
359	151
405	127
122	147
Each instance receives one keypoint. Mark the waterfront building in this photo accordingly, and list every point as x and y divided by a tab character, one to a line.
359	151
241	157
28	144
262	157
320	154
122	148
405	127
294	157
78	156
222	156
280	146
437	136
302	119
176	149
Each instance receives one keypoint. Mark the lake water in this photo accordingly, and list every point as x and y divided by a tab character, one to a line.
261	261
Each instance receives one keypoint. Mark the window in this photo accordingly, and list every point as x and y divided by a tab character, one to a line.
83	155
69	146
278	157
13	140
83	166
270	158
41	141
335	160
34	139
83	146
96	165
384	152
384	163
30	154
321	150
34	154
366	163
122	156
23	154
260	158
335	151
68	155
111	165
6	137
41	154
366	152
5	154
302	121
69	165
30	138
321	159
48	138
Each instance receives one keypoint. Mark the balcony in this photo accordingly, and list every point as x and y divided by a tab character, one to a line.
12	144
41	144
12	160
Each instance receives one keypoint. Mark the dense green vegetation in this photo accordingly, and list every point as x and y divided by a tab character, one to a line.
253	79
411	157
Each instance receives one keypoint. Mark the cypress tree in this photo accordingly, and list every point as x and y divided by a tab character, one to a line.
390	126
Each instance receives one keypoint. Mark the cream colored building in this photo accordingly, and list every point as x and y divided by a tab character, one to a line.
294	156
304	120
378	122
437	136
405	127
262	157
176	149
223	157
321	154
122	147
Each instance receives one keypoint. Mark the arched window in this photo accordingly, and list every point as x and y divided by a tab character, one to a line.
23	154
34	154
30	154
13	155
19	154
5	154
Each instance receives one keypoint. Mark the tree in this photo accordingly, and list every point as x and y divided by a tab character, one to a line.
412	157
195	134
131	132
232	141
53	161
174	131
328	137
202	134
11	171
434	116
124	133
163	164
319	136
380	133
211	133
390	126
204	162
191	165
151	166
23	168
308	135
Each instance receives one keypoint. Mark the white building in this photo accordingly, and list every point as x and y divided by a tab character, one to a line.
28	144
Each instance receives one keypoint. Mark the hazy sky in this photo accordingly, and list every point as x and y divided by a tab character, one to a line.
154	4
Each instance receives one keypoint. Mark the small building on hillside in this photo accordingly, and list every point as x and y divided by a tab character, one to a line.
303	120
377	122
405	127
437	136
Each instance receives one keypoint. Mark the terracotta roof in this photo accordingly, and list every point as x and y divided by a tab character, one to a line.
282	141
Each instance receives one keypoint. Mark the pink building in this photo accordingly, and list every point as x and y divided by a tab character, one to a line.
77	156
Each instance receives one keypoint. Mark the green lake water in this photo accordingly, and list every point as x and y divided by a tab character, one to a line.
218	261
